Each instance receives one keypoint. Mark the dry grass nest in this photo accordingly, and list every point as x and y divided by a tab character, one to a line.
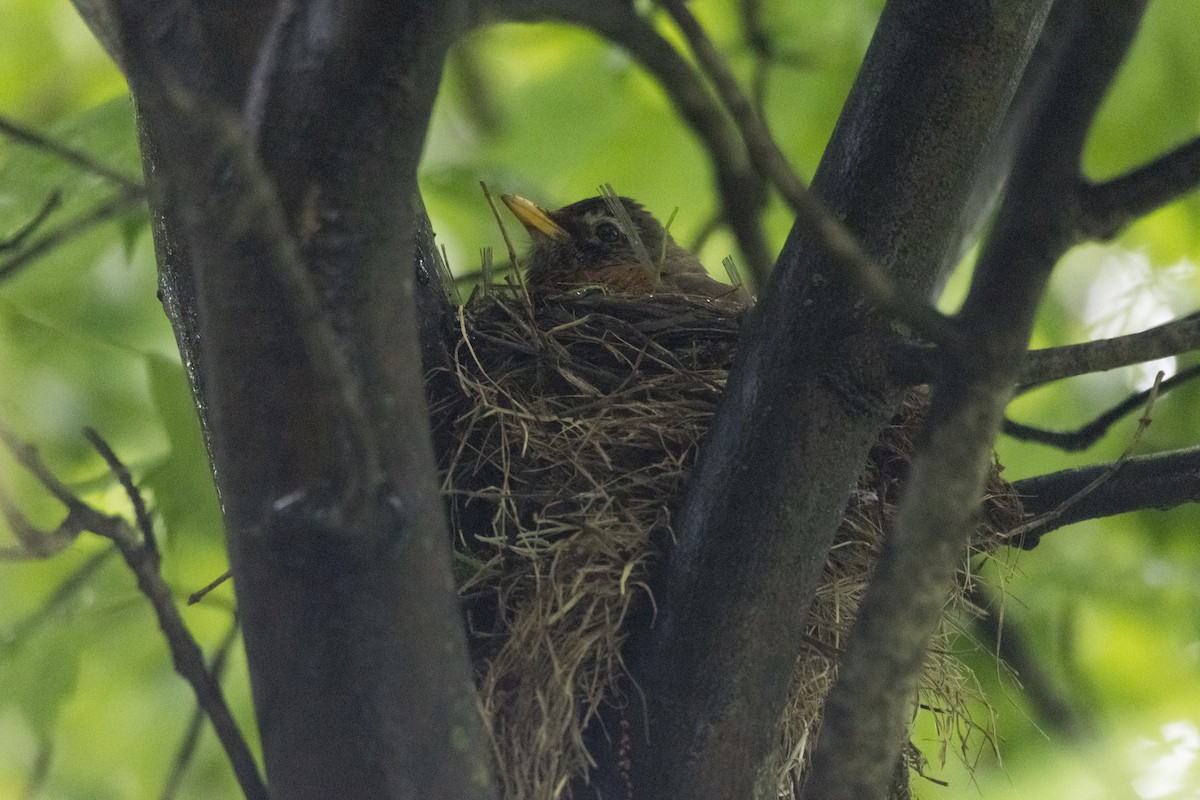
571	426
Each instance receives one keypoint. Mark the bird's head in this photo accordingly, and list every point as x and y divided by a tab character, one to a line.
578	242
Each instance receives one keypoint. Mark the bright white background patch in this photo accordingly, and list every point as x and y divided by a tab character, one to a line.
1116	291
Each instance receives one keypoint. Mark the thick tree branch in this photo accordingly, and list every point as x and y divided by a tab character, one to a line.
1162	481
808	396
1109	206
292	271
841	247
867	714
1056	363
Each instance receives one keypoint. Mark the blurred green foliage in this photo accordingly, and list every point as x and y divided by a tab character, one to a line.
1110	608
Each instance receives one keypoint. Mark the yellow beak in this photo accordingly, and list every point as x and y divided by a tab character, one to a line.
533	216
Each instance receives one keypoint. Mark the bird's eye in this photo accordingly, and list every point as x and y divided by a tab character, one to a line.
608	233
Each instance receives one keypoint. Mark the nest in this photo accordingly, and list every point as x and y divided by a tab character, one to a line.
571	425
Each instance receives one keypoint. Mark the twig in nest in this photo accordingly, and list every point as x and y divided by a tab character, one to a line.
735	277
662	251
137	548
513	263
512	251
485	271
446	276
1085	436
1017	534
618	210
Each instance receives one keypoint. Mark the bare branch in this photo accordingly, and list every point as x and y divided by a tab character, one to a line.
36	221
842	247
1085	436
1109	206
143	560
31	138
807	396
868	712
1161	481
191	736
103	212
1056	363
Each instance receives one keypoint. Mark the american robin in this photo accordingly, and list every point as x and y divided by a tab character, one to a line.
584	244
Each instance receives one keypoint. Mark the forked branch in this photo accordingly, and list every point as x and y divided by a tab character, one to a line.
138	548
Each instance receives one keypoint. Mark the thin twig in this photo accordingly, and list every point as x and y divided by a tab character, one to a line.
1048	518
840	244
514	264
485	271
141	514
200	594
27	136
1085	436
731	270
50	609
512	251
15	241
113	207
143	560
446	277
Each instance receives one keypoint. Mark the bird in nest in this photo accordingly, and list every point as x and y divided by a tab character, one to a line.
615	243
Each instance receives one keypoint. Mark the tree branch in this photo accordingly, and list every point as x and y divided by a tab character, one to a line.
39	218
31	138
1109	206
191	736
1162	481
840	245
1056	363
320	436
104	211
807	397
1085	436
141	556
868	711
